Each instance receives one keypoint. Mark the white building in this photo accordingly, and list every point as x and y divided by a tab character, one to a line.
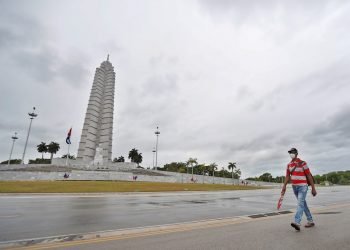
95	145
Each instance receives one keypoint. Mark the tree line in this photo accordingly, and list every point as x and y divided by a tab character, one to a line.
191	166
51	148
267	177
134	156
54	147
338	177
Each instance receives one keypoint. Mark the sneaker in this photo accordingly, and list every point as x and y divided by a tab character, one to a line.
309	224
295	225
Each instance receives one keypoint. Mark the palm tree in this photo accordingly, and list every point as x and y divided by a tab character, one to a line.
72	157
191	162
213	167
232	165
133	154
53	148
138	159
42	148
203	168
119	159
223	172
238	173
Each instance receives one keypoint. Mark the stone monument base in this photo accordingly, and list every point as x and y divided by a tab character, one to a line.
79	164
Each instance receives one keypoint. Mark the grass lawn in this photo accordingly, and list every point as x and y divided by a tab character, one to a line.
108	186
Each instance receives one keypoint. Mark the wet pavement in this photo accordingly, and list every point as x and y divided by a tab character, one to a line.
270	233
34	216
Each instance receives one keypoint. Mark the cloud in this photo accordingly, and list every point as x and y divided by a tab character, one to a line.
224	80
256	11
323	146
332	132
321	83
26	44
34	72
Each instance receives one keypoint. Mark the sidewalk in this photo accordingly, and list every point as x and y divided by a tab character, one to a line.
331	232
269	232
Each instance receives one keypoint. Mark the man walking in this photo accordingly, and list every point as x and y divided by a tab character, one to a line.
299	174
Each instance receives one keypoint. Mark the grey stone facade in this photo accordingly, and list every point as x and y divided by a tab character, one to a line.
8	173
96	139
80	165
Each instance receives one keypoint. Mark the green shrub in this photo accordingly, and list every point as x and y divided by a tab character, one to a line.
40	161
13	161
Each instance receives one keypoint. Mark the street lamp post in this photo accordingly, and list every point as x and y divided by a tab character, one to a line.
32	116
14	138
157	133
153	151
192	169
223	174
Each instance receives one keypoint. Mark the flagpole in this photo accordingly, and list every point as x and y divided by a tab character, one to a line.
67	155
68	140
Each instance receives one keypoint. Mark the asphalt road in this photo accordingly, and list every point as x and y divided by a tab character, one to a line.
37	216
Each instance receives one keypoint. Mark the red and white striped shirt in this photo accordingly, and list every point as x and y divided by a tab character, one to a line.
298	176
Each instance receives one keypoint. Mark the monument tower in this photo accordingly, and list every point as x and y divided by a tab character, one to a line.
96	139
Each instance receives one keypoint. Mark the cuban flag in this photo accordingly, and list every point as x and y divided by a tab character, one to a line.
68	136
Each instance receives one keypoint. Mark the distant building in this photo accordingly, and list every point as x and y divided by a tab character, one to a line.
95	145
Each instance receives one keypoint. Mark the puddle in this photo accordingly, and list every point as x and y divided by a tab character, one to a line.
328	213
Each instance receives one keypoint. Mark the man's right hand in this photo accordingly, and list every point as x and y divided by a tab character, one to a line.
314	193
283	190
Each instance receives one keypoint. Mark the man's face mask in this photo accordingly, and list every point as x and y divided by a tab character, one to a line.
293	156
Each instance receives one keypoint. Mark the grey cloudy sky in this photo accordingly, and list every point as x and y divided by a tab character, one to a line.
238	81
